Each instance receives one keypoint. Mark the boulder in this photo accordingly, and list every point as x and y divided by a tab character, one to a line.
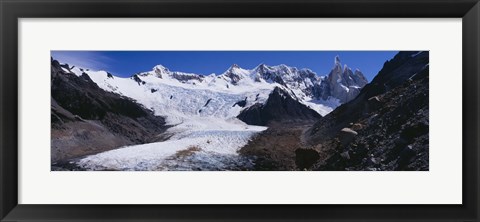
345	155
357	126
305	158
346	136
373	103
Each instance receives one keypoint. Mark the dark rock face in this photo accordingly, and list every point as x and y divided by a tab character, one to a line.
65	66
241	103
135	78
280	107
390	117
186	77
88	120
234	78
272	75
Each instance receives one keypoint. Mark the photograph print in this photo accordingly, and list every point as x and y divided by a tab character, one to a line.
239	110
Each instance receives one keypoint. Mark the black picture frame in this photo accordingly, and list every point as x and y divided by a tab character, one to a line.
12	10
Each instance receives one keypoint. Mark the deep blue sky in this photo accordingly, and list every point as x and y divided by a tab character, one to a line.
126	63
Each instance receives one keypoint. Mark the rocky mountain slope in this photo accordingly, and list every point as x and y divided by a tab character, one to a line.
385	127
86	119
279	147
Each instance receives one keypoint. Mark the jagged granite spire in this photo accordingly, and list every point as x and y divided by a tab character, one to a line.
337	60
342	84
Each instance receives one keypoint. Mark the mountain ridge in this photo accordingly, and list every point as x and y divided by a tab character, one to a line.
320	93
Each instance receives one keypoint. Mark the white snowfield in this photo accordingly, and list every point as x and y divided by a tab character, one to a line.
202	111
213	148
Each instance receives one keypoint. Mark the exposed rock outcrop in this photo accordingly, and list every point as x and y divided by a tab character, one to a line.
346	136
280	107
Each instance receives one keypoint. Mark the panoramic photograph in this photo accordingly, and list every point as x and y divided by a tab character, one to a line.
239	110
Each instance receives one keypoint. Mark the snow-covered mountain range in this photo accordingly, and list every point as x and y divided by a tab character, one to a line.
209	112
178	95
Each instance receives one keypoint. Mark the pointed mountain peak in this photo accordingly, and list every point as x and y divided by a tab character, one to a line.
262	66
235	69
337	60
160	70
160	67
234	73
235	66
